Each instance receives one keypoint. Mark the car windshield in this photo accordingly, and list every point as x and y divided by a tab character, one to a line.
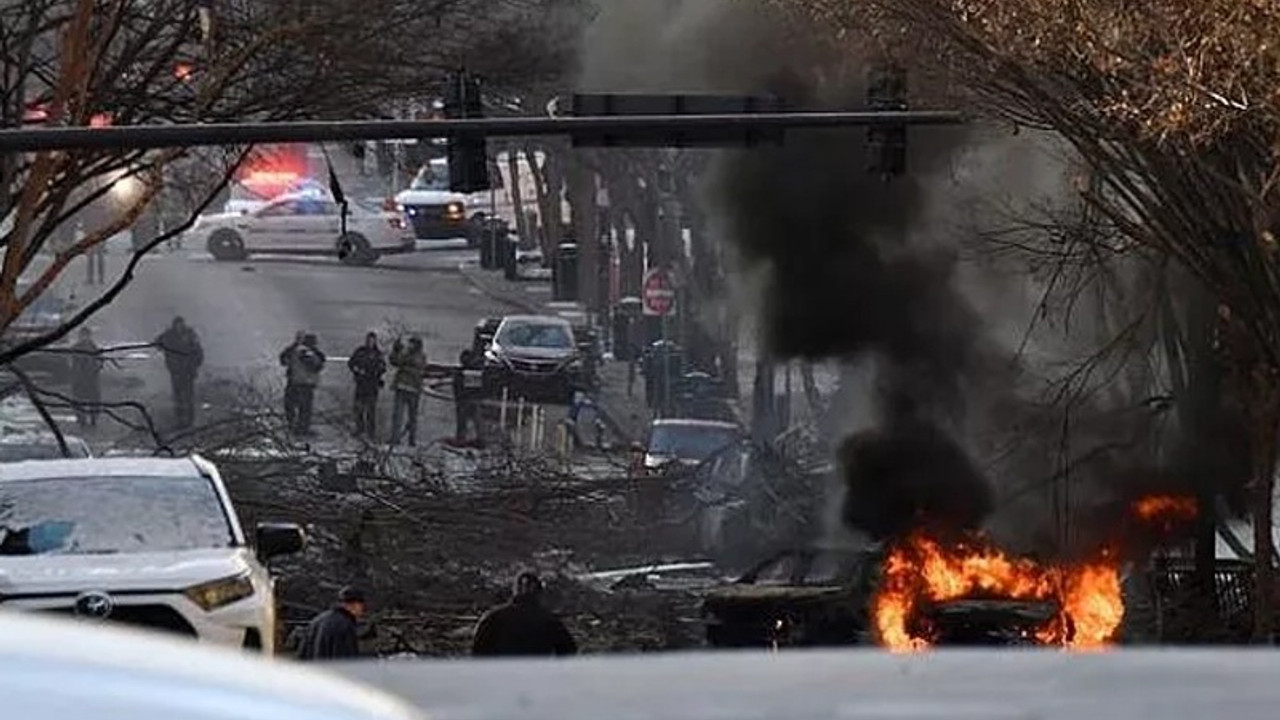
107	515
431	177
690	442
536	335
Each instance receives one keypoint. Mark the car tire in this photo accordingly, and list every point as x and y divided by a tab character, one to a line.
354	249
226	245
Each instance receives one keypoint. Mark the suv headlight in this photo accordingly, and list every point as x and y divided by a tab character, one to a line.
219	593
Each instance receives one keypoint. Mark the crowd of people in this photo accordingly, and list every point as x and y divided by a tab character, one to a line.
522	626
304	364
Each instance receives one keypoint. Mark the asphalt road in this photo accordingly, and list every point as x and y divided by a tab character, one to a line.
247	312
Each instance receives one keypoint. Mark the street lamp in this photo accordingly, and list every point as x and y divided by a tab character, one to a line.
126	189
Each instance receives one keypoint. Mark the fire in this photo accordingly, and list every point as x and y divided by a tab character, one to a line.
921	570
1165	508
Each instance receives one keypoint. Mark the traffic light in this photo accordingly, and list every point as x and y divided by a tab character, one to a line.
887	144
468	154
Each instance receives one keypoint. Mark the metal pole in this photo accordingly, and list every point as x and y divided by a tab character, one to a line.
520	421
502	411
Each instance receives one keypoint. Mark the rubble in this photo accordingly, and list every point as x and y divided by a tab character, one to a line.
435	555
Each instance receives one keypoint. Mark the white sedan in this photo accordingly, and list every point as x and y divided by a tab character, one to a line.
304	224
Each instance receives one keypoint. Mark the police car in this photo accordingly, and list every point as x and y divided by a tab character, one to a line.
304	222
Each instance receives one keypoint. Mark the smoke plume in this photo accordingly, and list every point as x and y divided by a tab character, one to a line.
867	271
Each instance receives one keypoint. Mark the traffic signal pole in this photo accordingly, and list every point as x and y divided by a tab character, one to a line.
191	135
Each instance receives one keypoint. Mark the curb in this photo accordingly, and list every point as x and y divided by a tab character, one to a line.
472	276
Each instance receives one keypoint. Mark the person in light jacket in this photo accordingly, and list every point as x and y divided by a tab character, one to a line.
305	367
410	364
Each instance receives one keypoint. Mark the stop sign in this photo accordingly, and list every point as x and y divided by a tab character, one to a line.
658	293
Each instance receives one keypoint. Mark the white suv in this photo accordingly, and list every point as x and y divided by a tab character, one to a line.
146	542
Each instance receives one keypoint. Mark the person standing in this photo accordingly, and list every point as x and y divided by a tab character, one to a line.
290	386
468	385
86	378
522	626
411	370
306	364
367	367
183	356
333	634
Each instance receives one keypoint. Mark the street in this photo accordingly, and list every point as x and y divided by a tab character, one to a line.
246	312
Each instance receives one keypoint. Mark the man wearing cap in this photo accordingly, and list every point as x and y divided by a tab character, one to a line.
523	626
332	635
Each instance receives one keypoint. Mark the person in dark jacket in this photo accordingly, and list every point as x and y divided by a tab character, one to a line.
333	635
367	367
305	366
523	626
86	379
290	386
468	385
183	356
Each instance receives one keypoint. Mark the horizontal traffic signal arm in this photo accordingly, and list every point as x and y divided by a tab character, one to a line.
164	136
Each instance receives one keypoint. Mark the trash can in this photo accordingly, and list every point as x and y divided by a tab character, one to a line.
507	247
564	273
663	369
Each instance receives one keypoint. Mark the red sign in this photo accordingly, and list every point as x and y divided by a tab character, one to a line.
659	294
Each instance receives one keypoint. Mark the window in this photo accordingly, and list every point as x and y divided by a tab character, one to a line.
828	568
778	571
107	515
281	209
691	442
536	335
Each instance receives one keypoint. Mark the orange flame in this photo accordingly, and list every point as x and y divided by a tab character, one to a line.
921	570
1165	508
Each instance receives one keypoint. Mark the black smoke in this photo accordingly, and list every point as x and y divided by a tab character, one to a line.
849	276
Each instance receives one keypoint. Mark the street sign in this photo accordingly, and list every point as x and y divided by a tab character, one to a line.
659	292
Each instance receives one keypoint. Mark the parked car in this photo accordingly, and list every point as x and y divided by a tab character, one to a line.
40	446
55	669
687	442
154	543
534	356
304	224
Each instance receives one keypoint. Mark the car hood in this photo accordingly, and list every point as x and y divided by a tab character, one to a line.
534	353
54	574
429	197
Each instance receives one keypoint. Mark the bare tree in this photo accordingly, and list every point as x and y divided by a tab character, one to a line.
88	62
1173	107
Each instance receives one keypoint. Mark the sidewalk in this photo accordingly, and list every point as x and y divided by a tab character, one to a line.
533	295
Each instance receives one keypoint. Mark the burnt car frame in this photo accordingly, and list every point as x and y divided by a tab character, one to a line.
821	596
803	597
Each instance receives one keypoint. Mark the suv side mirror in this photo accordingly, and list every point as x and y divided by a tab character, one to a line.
275	539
